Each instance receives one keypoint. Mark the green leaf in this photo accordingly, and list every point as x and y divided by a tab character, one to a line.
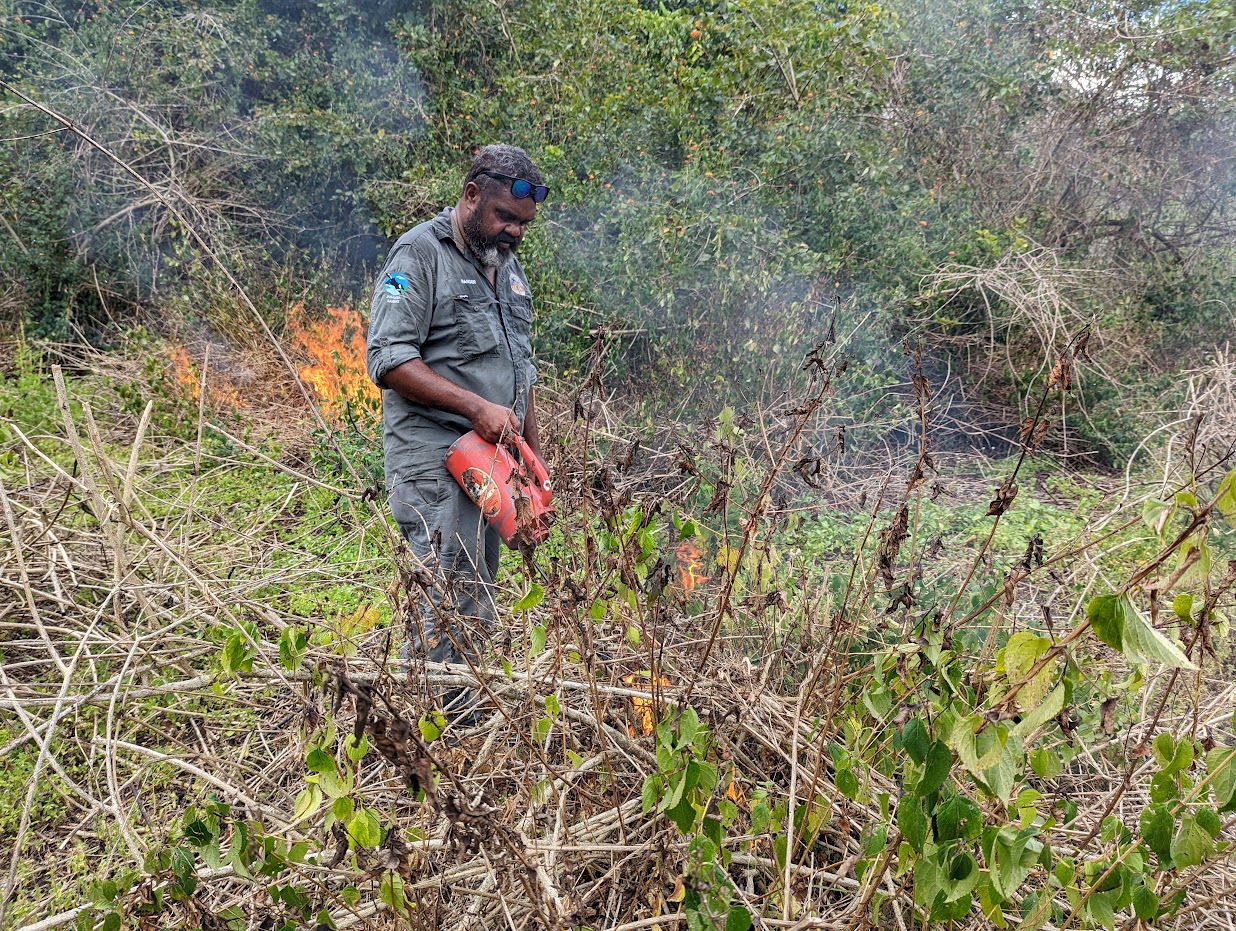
683	815
103	893
1157	825
183	867
1227	496
930	879
958	818
1101	910
738	919
977	752
534	596
1182	758
1208	820
392	891
1156	515
938	765
847	783
1164	748
307	802
1192	843
1021	653
1163	788
1142	642
431	726
235	652
915	739
1045	763
1038	914
649	794
334	785
708	776
293	643
539	635
999	779
1107	620
912	821
343	808
688	727
963	876
365	828
1145	903
1011	856
319	761
1221	768
356	750
1182	605
1050	707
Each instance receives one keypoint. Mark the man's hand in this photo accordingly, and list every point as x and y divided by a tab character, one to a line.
494	423
417	382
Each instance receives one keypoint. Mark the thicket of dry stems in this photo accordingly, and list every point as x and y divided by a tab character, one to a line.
113	579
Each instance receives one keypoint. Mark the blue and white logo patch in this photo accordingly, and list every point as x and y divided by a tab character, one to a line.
396	283
518	286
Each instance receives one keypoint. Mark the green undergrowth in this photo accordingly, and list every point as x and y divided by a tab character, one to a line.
967	651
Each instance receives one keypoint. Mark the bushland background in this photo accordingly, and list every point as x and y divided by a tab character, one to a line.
921	316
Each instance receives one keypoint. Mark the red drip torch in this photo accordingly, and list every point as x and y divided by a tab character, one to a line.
514	495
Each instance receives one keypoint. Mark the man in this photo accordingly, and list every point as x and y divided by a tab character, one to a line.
450	344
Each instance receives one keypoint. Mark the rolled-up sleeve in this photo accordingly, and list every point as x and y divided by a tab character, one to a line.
401	313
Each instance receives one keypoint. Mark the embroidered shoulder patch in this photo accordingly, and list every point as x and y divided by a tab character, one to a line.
396	283
518	286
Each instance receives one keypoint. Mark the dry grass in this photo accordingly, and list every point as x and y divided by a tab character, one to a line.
123	577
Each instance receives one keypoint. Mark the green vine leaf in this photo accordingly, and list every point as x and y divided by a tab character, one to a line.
1142	642
1227	496
1222	769
1145	903
535	595
1107	620
365	829
1192	843
1048	709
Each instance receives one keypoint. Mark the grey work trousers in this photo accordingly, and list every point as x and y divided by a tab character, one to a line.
447	533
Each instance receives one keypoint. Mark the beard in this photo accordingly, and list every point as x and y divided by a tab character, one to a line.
485	248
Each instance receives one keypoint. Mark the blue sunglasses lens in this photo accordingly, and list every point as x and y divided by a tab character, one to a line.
521	189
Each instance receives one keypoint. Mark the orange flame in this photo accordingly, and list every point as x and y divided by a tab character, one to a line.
690	559
335	344
643	706
185	371
188	374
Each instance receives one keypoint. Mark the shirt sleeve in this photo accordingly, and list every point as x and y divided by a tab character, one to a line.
401	313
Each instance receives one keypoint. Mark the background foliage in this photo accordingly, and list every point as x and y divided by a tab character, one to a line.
998	175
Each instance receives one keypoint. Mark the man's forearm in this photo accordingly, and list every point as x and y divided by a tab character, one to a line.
417	382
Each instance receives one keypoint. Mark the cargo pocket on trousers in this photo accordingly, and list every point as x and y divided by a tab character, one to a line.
415	505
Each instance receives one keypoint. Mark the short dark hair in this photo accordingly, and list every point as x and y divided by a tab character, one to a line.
509	160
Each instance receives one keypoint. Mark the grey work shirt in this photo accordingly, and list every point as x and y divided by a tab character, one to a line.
433	302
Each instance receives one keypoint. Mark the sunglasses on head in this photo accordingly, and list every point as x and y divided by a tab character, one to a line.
521	188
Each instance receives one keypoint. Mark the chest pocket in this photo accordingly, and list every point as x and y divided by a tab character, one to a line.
474	327
518	314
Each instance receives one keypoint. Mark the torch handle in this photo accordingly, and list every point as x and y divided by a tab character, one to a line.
533	461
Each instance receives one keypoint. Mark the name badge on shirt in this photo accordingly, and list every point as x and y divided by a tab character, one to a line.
518	286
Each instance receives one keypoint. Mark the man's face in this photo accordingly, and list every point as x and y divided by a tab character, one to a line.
494	224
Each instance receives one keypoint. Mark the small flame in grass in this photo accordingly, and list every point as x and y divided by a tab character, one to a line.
187	378
643	706
220	391
690	559
335	346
